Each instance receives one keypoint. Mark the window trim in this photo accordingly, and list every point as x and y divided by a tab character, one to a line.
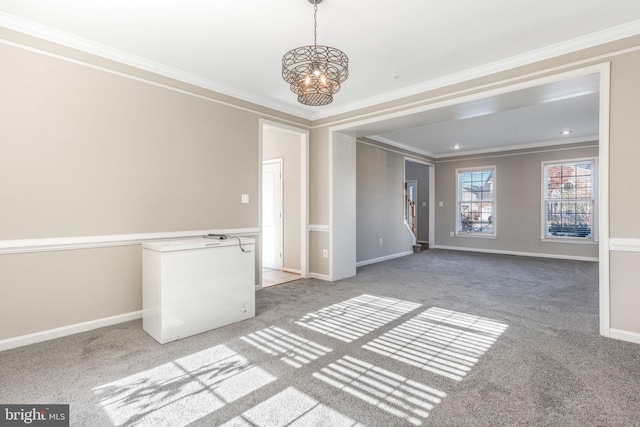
594	200
458	232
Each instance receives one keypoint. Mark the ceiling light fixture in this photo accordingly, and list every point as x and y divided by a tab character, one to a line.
565	132
314	73
456	146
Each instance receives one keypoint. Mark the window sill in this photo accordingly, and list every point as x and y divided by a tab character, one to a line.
478	235
565	240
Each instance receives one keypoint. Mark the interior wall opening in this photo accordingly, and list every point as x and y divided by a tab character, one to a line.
283	204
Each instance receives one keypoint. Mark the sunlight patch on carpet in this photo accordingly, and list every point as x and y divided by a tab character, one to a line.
438	347
292	349
292	408
399	396
181	391
351	319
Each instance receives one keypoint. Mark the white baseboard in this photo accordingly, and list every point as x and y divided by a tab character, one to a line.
384	258
67	330
319	276
529	254
291	270
619	334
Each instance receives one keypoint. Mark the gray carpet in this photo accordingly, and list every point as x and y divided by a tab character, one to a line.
437	338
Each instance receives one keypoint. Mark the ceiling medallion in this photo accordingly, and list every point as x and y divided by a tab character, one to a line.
315	72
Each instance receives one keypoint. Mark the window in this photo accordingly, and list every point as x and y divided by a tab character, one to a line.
475	210
569	193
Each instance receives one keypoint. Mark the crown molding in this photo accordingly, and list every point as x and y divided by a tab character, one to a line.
584	42
501	149
78	43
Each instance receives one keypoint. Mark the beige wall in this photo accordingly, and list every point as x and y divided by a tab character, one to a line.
48	290
518	216
280	144
93	153
89	147
625	291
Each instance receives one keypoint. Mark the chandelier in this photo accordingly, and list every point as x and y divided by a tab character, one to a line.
314	73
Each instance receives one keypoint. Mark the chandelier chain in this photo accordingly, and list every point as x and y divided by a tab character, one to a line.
315	25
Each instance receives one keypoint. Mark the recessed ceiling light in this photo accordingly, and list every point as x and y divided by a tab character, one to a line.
456	146
565	132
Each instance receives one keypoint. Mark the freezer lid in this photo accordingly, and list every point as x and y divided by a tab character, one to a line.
195	243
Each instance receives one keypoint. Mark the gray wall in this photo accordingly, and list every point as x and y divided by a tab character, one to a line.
420	173
280	144
518	216
380	203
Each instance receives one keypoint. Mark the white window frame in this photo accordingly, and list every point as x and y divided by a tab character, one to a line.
594	202
458	224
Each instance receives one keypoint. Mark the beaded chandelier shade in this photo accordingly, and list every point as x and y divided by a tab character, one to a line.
315	72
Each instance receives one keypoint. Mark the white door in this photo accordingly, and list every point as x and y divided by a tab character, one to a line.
272	214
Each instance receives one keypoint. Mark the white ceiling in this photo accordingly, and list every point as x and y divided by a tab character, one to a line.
395	49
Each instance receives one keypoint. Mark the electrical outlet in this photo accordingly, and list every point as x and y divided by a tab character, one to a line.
325	253
440	204
245	198
451	234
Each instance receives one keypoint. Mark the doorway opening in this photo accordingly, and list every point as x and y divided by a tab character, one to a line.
284	204
419	192
397	120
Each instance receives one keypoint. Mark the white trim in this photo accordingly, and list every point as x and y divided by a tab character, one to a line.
291	270
90	242
323	228
603	200
393	143
619	334
68	330
552	143
279	264
408	153
384	258
624	245
406	225
319	276
527	254
464	157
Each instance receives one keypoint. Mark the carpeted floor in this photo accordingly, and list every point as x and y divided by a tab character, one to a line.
438	338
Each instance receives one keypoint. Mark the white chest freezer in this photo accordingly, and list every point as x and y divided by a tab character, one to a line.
195	285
